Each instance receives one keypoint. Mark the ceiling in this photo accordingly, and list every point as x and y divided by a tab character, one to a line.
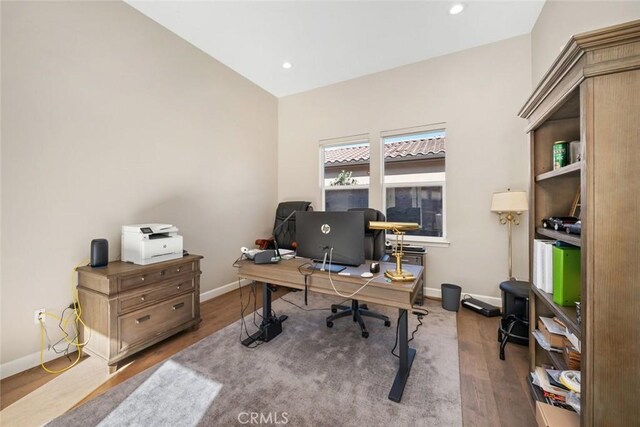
332	41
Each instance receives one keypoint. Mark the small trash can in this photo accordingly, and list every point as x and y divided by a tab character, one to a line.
451	296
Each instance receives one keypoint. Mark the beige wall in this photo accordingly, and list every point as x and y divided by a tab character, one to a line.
560	20
1	333
110	119
477	93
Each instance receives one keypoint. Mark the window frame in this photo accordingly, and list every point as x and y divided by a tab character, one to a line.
336	142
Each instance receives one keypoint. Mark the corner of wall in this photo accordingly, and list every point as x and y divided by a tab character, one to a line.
559	20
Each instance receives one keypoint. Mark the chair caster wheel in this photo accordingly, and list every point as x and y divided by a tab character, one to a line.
501	355
387	323
365	334
333	310
329	324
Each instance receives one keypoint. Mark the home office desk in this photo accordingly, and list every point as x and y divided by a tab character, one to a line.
400	295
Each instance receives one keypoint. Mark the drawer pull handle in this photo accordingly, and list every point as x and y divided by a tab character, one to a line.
177	306
142	298
143	319
179	269
142	278
178	287
162	273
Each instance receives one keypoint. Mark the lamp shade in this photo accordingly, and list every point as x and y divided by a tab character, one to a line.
509	201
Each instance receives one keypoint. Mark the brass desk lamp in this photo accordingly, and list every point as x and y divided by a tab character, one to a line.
399	229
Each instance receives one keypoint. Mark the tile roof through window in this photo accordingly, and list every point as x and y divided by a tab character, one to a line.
413	148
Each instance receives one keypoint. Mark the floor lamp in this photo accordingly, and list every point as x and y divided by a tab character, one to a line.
509	205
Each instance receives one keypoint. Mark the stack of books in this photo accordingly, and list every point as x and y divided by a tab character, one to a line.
553	335
550	334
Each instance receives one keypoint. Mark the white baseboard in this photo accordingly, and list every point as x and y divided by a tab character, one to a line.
27	362
437	293
205	296
30	360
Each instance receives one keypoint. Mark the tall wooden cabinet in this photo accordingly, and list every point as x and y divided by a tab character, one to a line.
592	94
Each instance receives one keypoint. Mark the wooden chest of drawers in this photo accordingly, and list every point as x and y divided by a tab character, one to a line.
128	307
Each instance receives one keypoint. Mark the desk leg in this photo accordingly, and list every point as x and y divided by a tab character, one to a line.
407	355
271	326
266	302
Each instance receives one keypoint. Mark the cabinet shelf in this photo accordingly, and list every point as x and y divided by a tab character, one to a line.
567	315
572	239
569	170
558	361
556	358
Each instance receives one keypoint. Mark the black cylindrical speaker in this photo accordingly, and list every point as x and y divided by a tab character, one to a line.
99	252
374	267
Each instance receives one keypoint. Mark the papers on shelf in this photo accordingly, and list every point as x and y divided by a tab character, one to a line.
552	326
541	377
545	391
543	341
575	342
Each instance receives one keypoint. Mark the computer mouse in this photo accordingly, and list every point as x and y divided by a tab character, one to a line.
366	275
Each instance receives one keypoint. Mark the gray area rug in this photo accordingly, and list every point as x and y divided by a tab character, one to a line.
309	375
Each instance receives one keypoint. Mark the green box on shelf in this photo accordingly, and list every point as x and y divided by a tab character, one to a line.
566	275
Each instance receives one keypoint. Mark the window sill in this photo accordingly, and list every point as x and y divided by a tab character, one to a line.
440	243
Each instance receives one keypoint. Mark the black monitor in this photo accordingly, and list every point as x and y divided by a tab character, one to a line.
318	232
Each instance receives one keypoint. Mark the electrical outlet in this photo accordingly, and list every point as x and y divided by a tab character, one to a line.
38	315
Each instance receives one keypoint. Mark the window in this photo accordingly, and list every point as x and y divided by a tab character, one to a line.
414	181
345	175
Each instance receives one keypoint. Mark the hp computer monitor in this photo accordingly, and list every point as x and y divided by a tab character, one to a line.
318	232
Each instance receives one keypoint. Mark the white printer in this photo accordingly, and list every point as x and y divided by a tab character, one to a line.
150	243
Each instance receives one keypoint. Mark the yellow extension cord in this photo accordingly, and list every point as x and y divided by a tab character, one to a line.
77	311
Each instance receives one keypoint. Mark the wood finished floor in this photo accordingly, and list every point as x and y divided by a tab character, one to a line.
494	392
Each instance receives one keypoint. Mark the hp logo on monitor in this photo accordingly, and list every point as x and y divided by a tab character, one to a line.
326	229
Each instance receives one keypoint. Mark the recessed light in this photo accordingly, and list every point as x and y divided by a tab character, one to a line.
456	9
286	65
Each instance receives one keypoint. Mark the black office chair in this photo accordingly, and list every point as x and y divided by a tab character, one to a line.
286	233
514	325
373	250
